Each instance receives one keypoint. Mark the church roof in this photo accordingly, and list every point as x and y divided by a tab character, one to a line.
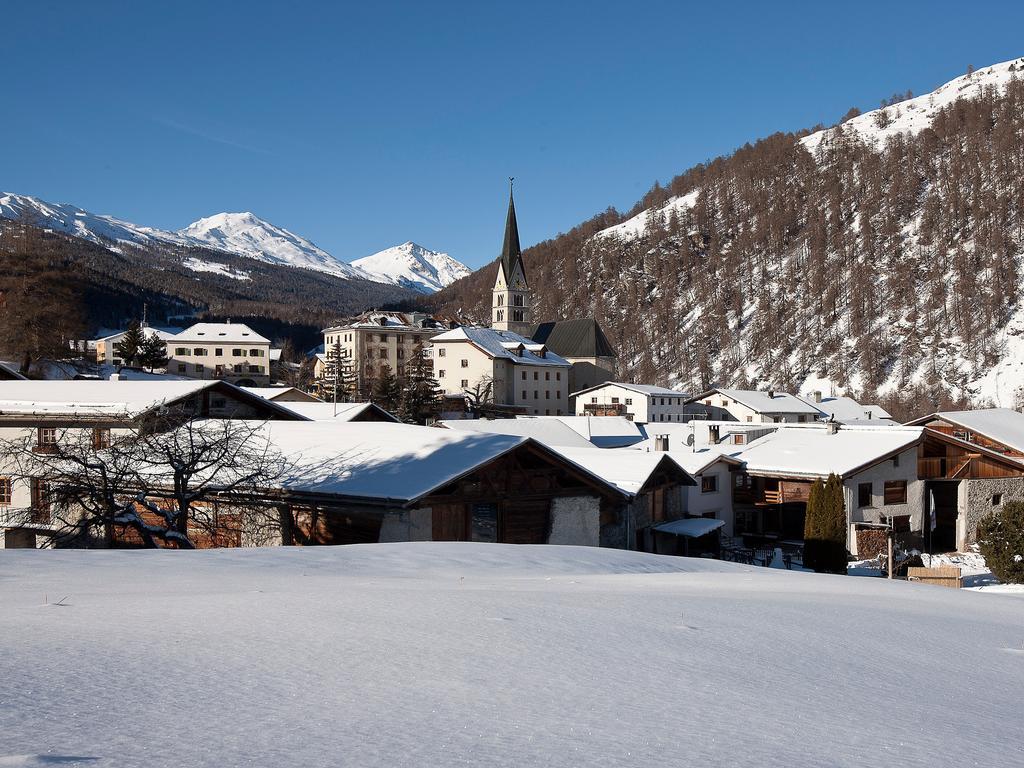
582	337
511	253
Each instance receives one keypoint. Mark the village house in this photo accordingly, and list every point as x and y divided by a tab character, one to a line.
106	346
44	411
516	371
769	407
339	413
846	410
9	372
367	344
643	403
231	352
283	394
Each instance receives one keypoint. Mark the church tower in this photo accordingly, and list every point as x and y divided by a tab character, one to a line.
510	305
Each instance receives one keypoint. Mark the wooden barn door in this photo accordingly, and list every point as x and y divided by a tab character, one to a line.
526	521
450	522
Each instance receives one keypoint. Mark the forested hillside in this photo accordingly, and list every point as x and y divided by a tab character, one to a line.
55	288
882	260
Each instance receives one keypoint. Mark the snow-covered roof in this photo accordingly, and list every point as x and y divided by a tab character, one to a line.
643	389
602	431
764	401
698	461
548	431
273	393
628	470
846	410
691	527
811	451
384	462
92	398
1002	425
492	342
339	412
225	333
147	331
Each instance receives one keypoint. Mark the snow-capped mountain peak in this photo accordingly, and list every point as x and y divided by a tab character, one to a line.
247	234
412	266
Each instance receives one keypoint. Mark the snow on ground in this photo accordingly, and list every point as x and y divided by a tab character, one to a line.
633	228
975	573
471	654
413	266
198	265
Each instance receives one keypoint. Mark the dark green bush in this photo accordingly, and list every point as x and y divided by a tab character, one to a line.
1001	542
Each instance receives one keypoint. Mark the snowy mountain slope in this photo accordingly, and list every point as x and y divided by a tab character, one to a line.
77	222
916	114
412	266
637	226
248	235
531	661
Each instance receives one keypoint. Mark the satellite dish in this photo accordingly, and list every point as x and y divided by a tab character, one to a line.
689	440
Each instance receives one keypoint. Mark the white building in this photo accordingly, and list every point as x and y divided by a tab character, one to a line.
639	402
229	351
520	373
106	347
755	406
846	410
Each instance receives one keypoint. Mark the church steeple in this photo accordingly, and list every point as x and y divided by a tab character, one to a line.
510	310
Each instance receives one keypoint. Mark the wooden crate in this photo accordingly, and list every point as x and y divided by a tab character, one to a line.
944	576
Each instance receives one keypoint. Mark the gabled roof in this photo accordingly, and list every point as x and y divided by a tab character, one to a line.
643	389
497	343
224	333
1001	425
810	451
581	337
602	431
847	410
392	463
276	393
340	412
124	400
549	431
630	471
147	330
9	373
763	402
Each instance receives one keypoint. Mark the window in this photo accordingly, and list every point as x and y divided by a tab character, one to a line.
895	492
180	351
997	499
864	495
464	363
199	352
101	437
40	502
440	374
615	401
547	394
558	375
535	376
535	395
629	401
255	353
218	352
547	375
524	394
801	418
238	353
181	367
464	384
738	439
709	484
219	402
593	400
383	337
6	491
199	367
46	440
383	353
517	315
441	352
237	367
896	460
750	418
517	300
524	375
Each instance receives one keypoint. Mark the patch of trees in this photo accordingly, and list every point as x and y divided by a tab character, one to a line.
1001	542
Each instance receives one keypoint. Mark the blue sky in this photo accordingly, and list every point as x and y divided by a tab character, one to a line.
364	125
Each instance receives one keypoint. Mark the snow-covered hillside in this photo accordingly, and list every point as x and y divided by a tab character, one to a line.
77	222
638	225
916	114
445	654
412	266
248	235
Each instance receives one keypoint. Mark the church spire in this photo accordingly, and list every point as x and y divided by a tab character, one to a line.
511	253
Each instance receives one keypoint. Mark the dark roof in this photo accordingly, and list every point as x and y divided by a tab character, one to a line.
574	338
8	372
511	253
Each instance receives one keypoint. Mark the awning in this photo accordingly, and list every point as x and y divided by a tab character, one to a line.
692	527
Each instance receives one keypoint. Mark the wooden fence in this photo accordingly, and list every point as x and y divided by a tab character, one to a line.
944	576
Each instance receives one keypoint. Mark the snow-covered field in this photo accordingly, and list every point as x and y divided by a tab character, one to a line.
496	655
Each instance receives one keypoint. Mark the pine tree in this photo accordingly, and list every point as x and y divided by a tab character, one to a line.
339	377
130	345
153	352
421	394
387	391
825	527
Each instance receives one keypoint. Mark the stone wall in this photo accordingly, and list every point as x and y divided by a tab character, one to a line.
407	525
576	520
975	500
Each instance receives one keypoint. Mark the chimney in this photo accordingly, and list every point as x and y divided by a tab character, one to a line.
115	377
831	426
713	433
817	395
771	394
661	442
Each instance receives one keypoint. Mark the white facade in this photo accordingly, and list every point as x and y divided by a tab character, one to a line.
229	351
638	402
752	406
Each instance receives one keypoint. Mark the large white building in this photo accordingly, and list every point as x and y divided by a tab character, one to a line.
229	351
519	372
768	407
639	402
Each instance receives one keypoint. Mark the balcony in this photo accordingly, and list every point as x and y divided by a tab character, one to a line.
943	467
